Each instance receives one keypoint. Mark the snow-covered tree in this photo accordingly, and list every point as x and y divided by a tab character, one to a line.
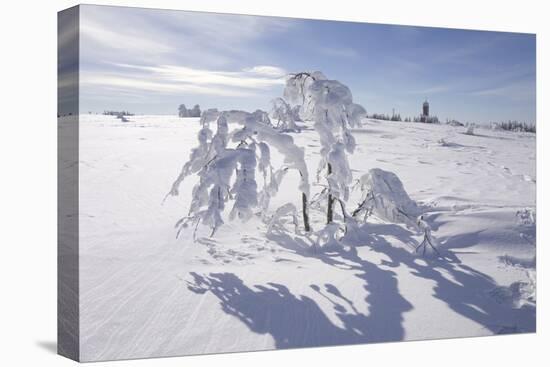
182	111
195	111
228	173
329	104
234	166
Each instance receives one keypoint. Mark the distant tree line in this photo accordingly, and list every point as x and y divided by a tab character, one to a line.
505	125
381	116
117	113
185	112
427	119
397	117
514	126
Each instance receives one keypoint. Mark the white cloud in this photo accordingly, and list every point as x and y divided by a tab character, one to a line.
245	79
127	83
133	51
226	31
169	79
121	39
272	71
125	35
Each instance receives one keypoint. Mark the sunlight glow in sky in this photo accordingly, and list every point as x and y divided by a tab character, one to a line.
149	61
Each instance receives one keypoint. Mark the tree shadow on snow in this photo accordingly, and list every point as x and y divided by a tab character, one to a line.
464	289
298	321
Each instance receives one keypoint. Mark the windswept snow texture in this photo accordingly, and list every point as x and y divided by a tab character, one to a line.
145	293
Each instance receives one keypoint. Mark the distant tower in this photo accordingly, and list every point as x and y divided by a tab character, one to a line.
426	108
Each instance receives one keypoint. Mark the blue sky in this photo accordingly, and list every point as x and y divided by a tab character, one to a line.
150	61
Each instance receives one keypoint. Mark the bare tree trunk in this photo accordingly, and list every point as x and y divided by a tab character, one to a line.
304	212
344	215
330	198
304	209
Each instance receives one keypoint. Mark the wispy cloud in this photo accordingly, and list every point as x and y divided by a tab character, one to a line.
171	37
517	91
126	83
121	39
179	79
258	77
271	71
160	58
223	31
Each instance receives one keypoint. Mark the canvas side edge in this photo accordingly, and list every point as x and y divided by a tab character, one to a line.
68	313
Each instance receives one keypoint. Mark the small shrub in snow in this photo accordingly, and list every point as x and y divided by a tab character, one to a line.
470	129
454	123
285	211
428	239
384	195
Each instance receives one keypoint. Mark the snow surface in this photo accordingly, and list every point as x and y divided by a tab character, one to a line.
145	293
